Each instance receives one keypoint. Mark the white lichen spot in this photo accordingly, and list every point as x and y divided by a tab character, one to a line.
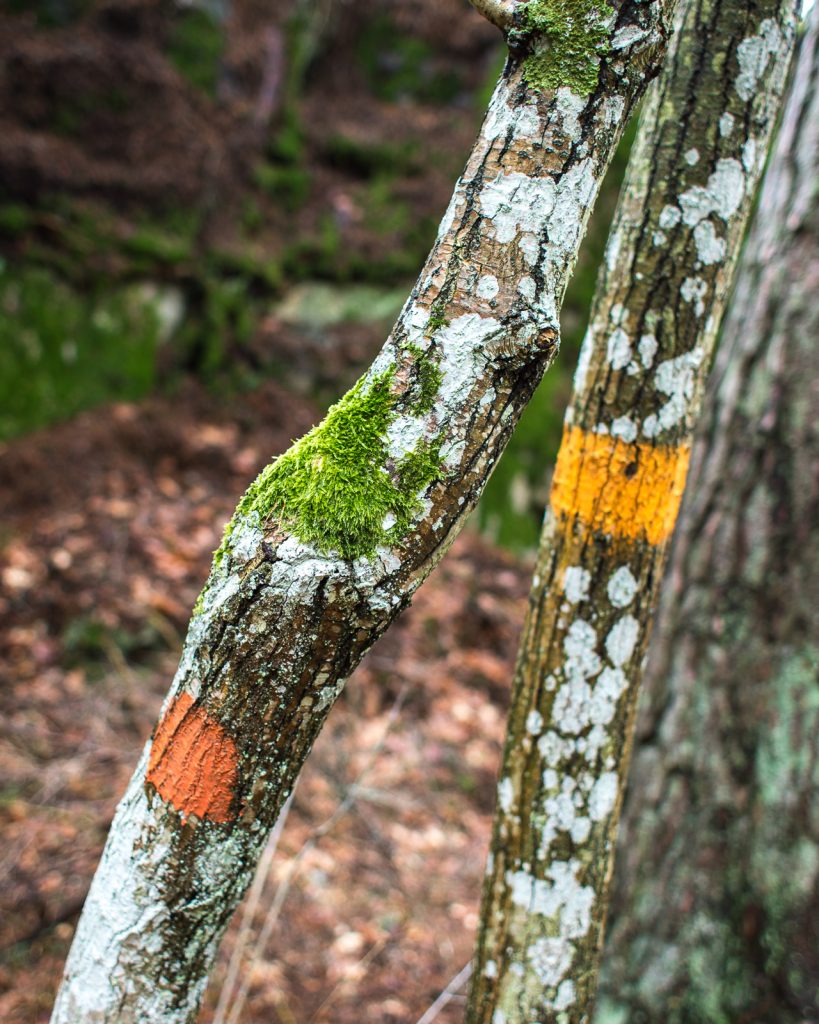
523	888
245	538
753	55
647	347
488	287
526	122
506	795
569	107
579	645
565	995
559	895
573	901
515	202
622	587
613	107
659	238
549	958
571	707
611	684
534	722
581	827
560	812
564	221
499	114
490	969
464	345
726	125
576	583
692	157
404	434
603	796
625	428
618	349
693	290
621	640
628	36
675	378
527	288
722	195
749	153
529	247
669	217
554	748
710	248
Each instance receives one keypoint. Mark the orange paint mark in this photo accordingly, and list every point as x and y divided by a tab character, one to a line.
624	490
194	764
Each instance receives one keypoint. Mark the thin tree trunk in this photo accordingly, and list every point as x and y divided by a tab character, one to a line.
716	896
334	537
616	492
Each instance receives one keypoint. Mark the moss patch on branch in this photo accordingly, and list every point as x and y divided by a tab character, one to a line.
337	487
572	38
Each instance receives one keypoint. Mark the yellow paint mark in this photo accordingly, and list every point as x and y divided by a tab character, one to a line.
619	489
193	763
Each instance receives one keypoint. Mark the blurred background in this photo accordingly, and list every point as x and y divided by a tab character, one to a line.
210	214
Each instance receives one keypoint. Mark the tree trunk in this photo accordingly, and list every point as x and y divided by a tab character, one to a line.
616	492
716	897
334	537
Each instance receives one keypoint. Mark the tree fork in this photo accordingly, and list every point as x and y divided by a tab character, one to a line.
618	482
333	538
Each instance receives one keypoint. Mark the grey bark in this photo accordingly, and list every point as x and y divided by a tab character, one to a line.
620	473
716	897
333	539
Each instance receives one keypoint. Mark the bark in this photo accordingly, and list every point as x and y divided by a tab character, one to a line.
331	541
618	482
716	895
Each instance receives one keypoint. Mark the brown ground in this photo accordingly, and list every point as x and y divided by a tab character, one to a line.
108	522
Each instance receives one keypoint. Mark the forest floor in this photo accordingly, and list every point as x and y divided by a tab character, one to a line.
109	521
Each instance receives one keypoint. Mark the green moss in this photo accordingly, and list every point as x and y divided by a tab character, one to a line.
287	185
252	216
399	66
436	321
195	46
156	246
15	219
384	212
572	38
428	378
335	488
64	349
